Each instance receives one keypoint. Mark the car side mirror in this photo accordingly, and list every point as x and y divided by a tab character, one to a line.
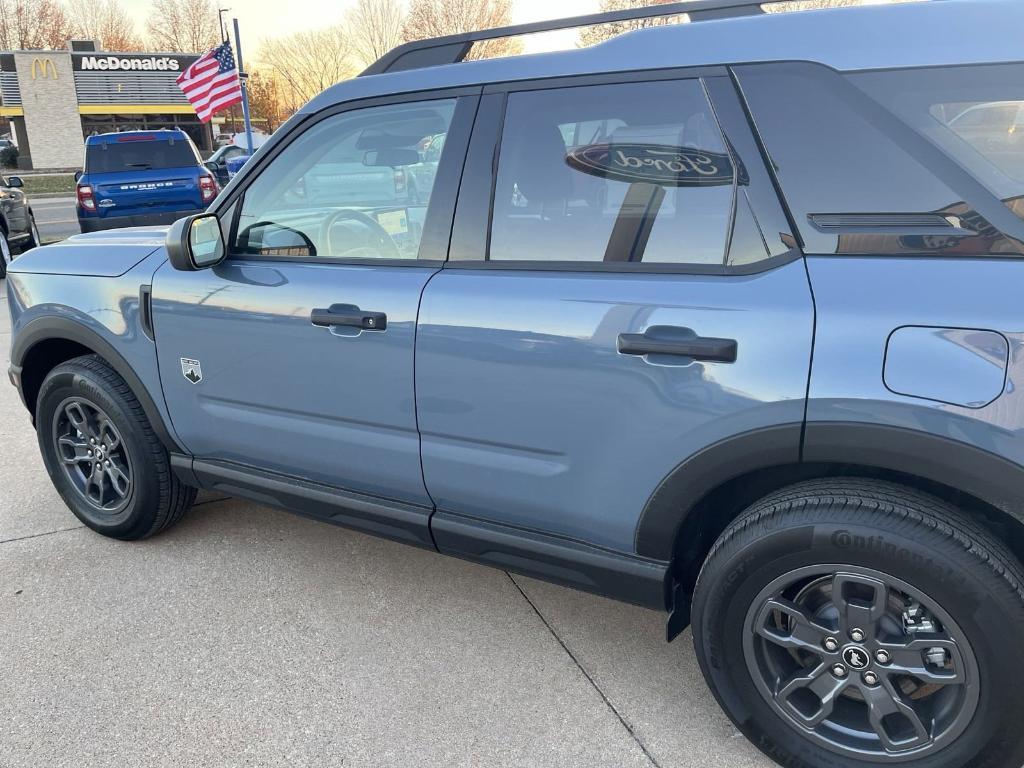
78	176
15	182
212	167
195	242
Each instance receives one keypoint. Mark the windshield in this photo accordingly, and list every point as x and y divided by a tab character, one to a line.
139	155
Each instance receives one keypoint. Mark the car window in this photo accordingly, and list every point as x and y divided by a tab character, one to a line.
635	172
889	162
355	185
139	153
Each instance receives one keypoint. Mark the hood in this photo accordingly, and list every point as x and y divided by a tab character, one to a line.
110	253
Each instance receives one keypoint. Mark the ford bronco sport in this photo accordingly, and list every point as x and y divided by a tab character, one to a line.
722	318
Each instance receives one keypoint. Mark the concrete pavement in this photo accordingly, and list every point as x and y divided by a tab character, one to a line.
248	636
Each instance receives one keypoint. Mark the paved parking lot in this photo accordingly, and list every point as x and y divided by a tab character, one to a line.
248	636
55	217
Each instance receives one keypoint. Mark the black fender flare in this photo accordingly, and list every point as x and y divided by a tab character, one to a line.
47	328
946	461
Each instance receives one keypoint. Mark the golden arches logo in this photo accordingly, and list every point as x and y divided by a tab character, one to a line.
42	66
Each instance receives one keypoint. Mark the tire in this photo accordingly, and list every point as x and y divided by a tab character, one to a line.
34	241
774	611
5	253
102	454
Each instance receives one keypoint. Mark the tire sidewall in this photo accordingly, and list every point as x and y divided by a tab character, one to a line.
136	518
991	618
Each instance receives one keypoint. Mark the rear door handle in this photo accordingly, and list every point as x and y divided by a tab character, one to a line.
683	342
349	315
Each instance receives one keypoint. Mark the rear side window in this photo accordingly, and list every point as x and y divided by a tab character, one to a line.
922	161
139	154
632	172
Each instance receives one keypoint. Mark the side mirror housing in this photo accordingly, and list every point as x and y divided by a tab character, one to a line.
78	176
195	242
212	167
15	182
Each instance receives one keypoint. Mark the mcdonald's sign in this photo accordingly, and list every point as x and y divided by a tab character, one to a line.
42	66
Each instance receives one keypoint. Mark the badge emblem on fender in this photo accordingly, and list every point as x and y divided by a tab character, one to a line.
191	370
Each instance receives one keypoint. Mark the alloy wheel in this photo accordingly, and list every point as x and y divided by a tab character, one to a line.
861	662
92	454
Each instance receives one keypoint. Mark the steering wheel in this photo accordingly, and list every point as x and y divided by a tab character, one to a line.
388	249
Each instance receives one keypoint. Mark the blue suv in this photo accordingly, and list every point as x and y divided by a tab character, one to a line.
720	318
138	178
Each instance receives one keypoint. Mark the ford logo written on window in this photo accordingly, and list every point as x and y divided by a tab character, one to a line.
659	164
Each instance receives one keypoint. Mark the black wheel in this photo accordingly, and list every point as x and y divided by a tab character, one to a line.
102	454
34	240
855	622
5	253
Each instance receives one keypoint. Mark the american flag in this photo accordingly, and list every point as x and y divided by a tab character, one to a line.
212	83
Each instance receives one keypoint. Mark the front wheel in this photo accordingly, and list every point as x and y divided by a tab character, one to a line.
5	254
102	454
34	240
859	623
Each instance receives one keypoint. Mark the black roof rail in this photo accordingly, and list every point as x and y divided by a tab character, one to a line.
451	49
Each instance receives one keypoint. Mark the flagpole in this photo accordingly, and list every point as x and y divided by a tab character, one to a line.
245	90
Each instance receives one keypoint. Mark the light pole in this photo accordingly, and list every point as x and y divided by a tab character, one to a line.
220	20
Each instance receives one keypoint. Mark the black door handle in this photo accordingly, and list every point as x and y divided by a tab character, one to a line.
683	342
349	315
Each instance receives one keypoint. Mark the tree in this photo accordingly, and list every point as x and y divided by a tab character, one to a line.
309	62
375	27
27	24
184	26
435	18
598	34
106	21
265	99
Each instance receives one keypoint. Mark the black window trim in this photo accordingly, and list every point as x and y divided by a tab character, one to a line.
466	103
472	230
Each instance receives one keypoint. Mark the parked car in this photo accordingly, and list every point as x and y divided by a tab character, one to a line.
721	318
137	178
217	163
18	230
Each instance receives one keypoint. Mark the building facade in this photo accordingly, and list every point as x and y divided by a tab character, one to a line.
54	99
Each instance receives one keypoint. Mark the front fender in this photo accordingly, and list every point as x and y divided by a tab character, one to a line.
101	314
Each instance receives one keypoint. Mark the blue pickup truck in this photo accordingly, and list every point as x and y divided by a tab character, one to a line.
139	178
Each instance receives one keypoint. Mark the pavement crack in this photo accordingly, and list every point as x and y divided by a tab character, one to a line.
582	669
38	535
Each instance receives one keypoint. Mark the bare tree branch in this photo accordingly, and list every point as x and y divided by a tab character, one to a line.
375	27
106	21
27	24
309	62
188	26
434	18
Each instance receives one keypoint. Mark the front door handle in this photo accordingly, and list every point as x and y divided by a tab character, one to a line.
349	315
683	342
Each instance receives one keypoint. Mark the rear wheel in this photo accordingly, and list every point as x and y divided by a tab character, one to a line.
102	454
855	623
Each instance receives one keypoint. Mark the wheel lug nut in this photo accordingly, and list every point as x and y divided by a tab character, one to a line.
90	453
107	463
857	635
870	678
831	644
882	657
839	670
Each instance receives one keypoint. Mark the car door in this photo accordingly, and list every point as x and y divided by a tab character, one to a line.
293	359
14	209
622	293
